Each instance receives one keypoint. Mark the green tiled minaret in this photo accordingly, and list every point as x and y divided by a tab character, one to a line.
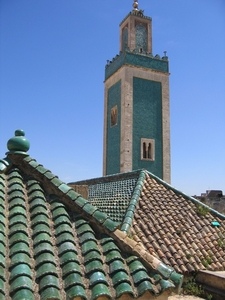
136	103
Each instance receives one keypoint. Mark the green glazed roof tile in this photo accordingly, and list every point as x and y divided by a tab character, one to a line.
36	195
135	266
73	195
20	270
40	219
18	237
18	228
87	236
70	267
64	237
65	247
37	211
60	220
59	211
97	277
81	201
49	281
15	194
111	225
19	247
15	187
65	188
44	258
2	248
50	293
56	205
76	291
42	237
17	219
40	228
115	266
92	255
17	211
33	163
56	182
109	247
46	269
2	260
17	202
2	290
2	238
63	228
93	266
100	290
72	280
140	276
124	288
2	272
2	228
144	286
23	295
100	216
43	248
112	255
68	257
33	186
166	284
84	228
89	246
42	170
49	175
22	282
18	258
120	276
89	208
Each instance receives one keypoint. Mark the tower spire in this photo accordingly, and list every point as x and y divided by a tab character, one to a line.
135	5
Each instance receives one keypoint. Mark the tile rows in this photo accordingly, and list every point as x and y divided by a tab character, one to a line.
169	225
48	253
112	197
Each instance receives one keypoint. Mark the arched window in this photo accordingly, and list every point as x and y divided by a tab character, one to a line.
147	149
144	150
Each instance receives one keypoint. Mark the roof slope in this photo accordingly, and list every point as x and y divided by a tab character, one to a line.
180	230
56	245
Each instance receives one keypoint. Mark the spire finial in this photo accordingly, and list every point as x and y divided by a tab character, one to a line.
18	143
135	5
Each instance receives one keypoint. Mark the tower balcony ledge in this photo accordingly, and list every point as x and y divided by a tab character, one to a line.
137	59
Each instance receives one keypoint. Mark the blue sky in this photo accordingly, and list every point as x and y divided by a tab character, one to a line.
52	60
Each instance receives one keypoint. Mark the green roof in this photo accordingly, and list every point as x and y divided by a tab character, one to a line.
54	244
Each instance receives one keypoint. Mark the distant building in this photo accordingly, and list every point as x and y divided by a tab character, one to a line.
214	199
136	109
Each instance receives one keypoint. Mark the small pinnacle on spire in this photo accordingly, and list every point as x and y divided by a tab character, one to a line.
135	5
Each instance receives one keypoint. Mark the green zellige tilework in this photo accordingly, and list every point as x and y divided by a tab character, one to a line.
113	132
147	117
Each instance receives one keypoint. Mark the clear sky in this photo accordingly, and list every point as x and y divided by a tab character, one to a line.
52	61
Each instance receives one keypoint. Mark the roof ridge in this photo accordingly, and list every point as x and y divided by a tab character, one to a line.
128	218
167	185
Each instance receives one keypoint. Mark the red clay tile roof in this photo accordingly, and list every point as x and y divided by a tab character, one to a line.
178	229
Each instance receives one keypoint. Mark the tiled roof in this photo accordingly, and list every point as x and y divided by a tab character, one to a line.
178	229
54	244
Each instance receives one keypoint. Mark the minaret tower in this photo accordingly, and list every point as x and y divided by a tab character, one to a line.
136	103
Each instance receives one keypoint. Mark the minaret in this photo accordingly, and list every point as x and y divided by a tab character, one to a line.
136	103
